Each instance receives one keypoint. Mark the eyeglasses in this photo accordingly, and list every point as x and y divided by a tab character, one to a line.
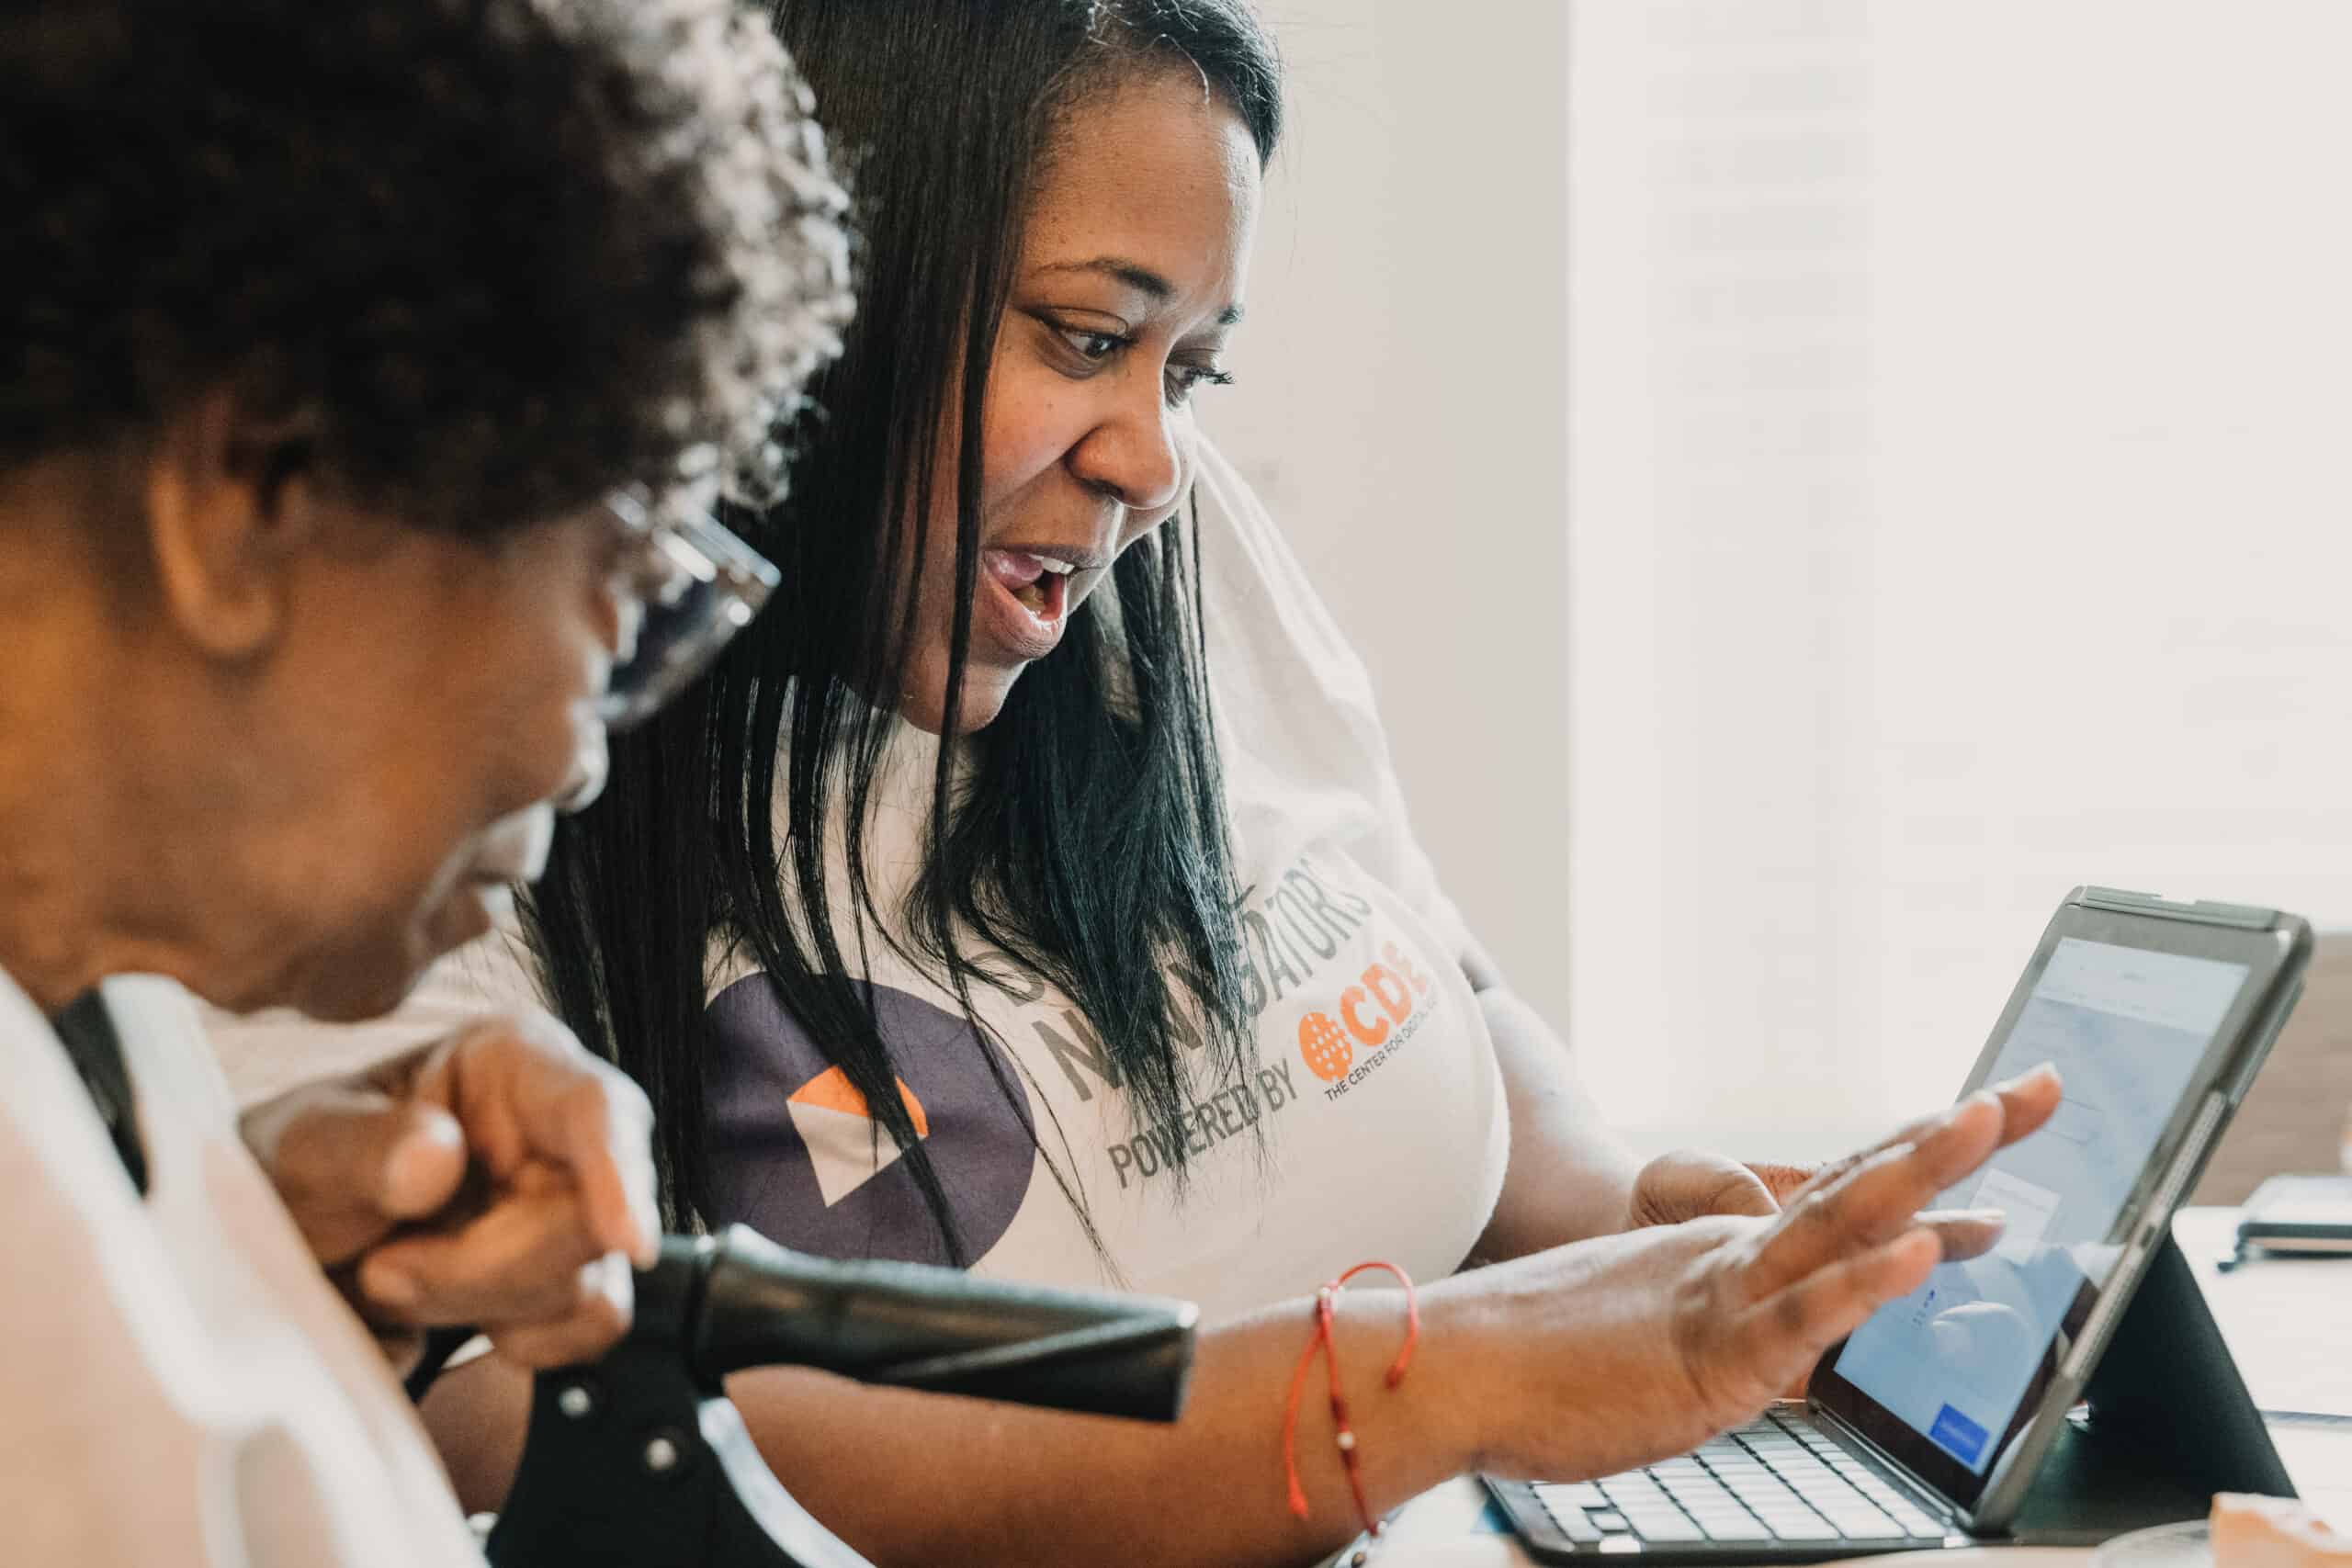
686	585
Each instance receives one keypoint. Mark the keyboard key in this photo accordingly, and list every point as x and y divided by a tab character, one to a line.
1571	1520
1804	1529
1865	1525
1697	1482
1608	1521
1786	1516
1734	1527
1851	1517
1677	1529
1576	1493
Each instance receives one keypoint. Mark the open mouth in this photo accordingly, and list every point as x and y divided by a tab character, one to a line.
1035	595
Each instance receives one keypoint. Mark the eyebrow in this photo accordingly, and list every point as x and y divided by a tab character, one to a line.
1140	279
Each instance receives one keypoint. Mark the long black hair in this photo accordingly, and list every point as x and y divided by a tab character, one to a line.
1083	831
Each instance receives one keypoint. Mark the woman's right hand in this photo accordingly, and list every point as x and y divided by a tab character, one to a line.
1588	1359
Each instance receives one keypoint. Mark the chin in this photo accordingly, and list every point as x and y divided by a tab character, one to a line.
985	693
981	708
372	973
346	996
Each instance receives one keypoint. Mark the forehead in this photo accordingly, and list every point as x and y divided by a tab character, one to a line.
1158	170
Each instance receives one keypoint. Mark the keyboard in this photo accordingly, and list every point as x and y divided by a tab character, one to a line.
1777	1489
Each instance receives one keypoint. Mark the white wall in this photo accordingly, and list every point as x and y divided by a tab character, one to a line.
1961	513
1958	399
1402	408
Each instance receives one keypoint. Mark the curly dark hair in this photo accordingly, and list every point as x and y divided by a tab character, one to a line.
499	255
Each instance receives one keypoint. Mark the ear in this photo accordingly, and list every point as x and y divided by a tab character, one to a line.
230	505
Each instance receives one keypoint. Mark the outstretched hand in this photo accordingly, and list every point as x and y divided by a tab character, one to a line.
1691	1184
1680	1331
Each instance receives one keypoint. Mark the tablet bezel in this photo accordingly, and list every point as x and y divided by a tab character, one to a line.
2274	952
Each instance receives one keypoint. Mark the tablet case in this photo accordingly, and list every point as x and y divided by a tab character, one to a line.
2169	1424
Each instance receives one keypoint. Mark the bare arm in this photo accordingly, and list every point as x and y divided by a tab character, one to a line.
1574	1362
1569	1177
914	1478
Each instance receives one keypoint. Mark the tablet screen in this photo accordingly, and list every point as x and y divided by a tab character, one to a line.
2127	1028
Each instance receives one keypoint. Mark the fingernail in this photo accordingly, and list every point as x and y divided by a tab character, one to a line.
393	1287
423	1167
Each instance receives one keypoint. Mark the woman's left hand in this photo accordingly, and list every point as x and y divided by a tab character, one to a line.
1690	1184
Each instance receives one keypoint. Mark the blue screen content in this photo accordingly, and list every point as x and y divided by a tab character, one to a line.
2126	1028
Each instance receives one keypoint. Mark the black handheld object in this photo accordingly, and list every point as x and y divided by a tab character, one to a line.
640	1459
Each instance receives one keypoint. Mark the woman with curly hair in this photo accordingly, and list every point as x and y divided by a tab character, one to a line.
362	368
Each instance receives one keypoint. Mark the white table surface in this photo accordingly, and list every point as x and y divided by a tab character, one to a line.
2289	1324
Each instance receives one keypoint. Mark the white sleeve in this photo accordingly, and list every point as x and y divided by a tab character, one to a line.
98	1462
1297	718
265	1054
102	1457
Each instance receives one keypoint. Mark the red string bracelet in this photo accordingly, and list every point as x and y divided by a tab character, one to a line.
1322	1342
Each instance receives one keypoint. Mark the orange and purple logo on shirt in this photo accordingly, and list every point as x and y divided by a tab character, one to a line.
796	1155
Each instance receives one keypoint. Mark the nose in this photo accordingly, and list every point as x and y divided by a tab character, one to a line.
1134	455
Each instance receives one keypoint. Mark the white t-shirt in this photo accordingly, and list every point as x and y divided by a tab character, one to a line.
1376	1084
181	1384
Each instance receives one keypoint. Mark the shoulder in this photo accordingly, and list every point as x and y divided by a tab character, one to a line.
1265	619
266	1052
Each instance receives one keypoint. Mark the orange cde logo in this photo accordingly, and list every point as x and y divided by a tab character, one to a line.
1367	1013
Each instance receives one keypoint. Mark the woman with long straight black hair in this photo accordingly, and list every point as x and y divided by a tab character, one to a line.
1031	889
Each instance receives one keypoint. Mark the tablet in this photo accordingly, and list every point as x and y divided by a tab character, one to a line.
2157	1014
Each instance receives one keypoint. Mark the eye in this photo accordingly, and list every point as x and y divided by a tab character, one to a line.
1092	347
1184	380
